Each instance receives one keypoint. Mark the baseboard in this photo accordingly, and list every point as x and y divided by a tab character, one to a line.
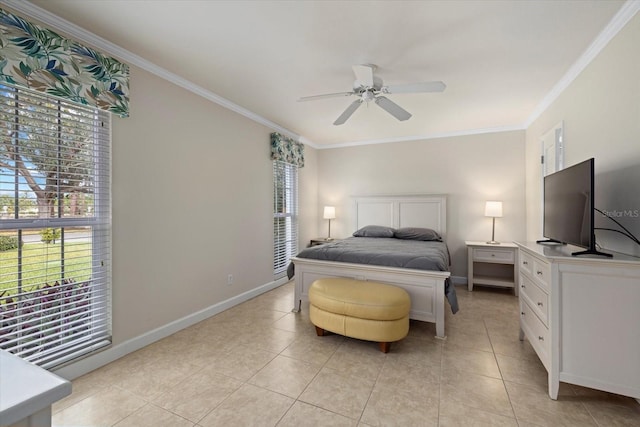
459	280
94	361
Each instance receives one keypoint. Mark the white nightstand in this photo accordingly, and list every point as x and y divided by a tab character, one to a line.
492	265
321	241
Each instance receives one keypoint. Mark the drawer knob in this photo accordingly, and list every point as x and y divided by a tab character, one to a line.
539	273
540	304
525	263
522	286
522	312
541	338
493	254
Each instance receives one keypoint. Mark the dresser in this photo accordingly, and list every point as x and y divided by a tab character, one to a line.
27	392
582	317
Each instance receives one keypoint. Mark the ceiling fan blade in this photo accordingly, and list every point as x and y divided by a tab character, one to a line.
348	112
416	88
326	95
392	108
364	74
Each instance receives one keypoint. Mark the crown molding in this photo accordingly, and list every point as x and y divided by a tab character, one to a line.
424	137
59	24
617	23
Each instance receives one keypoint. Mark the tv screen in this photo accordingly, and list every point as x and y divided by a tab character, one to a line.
568	205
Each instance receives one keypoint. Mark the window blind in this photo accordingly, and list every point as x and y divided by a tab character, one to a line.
285	215
55	227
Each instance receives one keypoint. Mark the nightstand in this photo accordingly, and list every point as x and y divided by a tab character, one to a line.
320	241
492	265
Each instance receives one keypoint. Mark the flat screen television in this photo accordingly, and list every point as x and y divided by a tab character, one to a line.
569	213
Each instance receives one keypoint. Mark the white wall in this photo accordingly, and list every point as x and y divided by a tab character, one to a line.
601	114
469	169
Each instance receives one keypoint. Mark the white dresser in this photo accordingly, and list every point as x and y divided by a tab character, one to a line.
582	317
27	392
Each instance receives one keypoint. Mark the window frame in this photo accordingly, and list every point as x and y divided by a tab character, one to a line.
97	319
286	192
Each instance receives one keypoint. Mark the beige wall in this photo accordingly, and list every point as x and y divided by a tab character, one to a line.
192	203
601	114
469	169
308	197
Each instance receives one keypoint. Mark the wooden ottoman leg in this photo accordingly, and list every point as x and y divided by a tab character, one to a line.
384	346
319	331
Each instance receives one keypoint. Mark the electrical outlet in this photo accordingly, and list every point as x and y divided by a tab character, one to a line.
230	279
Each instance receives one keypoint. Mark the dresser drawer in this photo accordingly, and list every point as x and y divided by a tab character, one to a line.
493	255
535	297
526	263
537	333
542	273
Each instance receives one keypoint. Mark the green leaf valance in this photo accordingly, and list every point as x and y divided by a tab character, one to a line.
38	58
287	150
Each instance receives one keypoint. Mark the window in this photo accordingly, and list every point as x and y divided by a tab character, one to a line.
285	215
55	227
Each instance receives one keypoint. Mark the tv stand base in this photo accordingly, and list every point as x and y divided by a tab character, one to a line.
591	252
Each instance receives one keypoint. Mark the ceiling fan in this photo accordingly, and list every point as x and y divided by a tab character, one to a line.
368	87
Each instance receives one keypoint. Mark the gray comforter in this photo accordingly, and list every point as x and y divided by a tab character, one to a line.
390	252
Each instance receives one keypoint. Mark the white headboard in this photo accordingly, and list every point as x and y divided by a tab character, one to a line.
429	211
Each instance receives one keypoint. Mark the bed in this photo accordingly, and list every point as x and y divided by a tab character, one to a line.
426	287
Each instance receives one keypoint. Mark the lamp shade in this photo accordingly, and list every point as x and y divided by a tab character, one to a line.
493	209
329	212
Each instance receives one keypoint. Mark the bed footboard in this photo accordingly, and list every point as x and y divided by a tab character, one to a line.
426	288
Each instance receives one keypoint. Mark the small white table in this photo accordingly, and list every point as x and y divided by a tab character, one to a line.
492	265
321	241
27	392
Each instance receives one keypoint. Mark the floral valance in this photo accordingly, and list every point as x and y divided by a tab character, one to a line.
38	58
287	150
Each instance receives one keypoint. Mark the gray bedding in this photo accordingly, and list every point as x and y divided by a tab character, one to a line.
390	252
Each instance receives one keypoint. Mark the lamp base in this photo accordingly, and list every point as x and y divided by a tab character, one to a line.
493	234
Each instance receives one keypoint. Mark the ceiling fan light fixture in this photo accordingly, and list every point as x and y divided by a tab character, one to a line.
368	95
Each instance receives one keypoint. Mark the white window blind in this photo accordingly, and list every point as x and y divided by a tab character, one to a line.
285	215
55	227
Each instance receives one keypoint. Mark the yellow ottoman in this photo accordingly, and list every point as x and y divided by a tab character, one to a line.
359	309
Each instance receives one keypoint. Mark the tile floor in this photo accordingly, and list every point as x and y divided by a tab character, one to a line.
258	364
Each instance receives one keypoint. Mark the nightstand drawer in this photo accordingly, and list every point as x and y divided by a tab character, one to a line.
535	297
494	255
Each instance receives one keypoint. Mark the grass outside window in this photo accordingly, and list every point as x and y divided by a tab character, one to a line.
42	265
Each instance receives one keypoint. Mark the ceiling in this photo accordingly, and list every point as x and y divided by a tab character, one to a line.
499	59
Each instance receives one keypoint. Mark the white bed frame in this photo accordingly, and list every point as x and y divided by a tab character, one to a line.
426	288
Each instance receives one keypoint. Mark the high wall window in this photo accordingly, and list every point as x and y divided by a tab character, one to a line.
55	227
285	215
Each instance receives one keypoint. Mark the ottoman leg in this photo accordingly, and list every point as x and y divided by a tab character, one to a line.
384	346
319	331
